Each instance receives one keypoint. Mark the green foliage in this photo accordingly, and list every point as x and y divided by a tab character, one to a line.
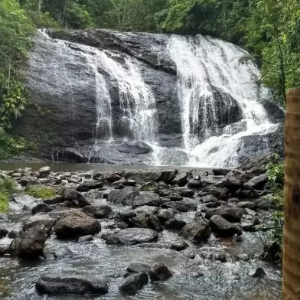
275	173
41	192
7	187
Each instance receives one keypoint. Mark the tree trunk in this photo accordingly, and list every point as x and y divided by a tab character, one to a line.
291	251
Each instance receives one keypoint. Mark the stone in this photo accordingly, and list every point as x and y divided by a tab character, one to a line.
40	220
266	203
196	232
146	198
181	206
257	182
41	208
74	224
165	214
233	214
159	272
218	192
89	185
131	236
186	193
86	238
174	224
258	273
194	184
180	179
222	227
97	211
30	243
208	199
247	204
13	234
146	220
138	268
220	172
44	172
74	197
134	283
25	202
232	184
70	284
168	176
135	148
146	209
179	245
124	196
175	196
249	222
247	194
3	231
213	254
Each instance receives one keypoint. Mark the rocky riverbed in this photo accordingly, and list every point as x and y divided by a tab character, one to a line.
139	234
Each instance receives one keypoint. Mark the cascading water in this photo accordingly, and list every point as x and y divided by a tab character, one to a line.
203	65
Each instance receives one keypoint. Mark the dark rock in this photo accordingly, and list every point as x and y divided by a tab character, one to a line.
230	214
131	236
134	283
126	215
194	184
232	184
72	284
180	179
145	220
266	203
74	224
197	232
174	224
97	211
159	272
74	198
186	193
146	198
175	196
3	231
124	196
181	206
138	268
257	182
30	243
248	194
258	273
89	185
168	176
275	113
41	208
220	172
13	234
247	204
86	238
223	228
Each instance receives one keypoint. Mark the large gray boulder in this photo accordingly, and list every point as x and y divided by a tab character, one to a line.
133	283
74	224
223	228
123	196
196	232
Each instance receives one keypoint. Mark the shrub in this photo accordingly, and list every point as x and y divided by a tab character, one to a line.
41	192
7	187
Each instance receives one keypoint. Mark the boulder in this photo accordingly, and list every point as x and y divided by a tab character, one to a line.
220	172
186	193
146	209
257	273
146	220
181	206
223	228
89	185
218	192
247	204
123	196
30	243
179	245
74	224
168	176
134	283
165	214
97	211
71	284
25	202
39	221
232	184
74	198
174	224
257	182
131	236
233	214
180	179
249	222
134	148
209	199
146	198
44	172
3	231
194	184
159	272
41	208
196	232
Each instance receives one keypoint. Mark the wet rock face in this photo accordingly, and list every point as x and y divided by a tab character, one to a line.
78	285
134	283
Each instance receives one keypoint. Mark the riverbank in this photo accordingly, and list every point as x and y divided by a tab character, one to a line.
160	233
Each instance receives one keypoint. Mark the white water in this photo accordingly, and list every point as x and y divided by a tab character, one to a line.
202	64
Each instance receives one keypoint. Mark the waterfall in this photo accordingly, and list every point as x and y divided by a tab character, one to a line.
203	65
